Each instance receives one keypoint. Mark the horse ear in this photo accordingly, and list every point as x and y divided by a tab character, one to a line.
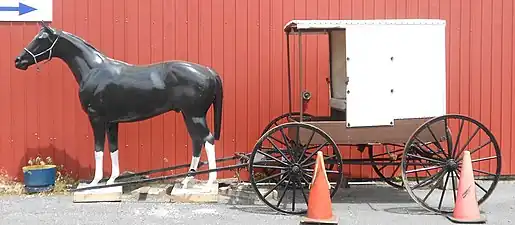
46	27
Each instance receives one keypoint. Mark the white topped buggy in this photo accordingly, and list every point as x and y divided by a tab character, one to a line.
387	88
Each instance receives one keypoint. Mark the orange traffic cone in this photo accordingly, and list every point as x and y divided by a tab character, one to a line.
466	209
319	203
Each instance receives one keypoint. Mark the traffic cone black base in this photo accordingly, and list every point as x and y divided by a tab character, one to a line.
480	220
308	221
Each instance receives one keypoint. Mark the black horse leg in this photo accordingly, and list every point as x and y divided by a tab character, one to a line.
200	135
112	137
99	129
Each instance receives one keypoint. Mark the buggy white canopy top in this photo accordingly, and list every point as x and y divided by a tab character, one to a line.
383	71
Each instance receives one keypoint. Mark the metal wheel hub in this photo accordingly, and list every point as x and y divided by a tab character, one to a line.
295	169
451	165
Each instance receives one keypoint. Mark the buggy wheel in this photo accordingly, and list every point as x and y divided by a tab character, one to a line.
387	163
292	161
438	146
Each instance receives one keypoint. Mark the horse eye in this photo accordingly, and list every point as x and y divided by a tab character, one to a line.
43	35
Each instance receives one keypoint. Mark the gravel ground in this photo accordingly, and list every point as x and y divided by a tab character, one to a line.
358	205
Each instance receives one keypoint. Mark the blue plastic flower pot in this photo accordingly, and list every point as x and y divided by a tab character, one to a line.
38	178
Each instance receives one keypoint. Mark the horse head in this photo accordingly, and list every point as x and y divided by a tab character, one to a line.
39	49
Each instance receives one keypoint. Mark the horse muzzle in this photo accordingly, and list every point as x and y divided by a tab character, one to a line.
21	64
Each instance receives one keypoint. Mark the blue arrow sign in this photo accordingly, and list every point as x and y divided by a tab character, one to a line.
22	9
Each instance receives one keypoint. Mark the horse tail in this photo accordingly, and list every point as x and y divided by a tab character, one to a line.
217	104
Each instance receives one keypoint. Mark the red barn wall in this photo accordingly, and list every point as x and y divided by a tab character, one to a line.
244	42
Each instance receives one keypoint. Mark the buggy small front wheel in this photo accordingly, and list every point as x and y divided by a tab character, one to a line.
291	161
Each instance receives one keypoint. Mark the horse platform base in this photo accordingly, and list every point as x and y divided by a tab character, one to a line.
196	192
109	194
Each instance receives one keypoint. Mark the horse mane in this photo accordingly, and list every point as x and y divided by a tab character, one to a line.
81	40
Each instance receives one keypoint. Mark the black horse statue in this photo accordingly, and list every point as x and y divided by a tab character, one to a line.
113	92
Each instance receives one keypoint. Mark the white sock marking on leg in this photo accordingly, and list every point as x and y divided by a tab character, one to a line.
99	156
115	167
211	158
193	165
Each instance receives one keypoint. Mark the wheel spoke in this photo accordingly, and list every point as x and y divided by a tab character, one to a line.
443	193
272	137
422	157
293	195
448	137
313	153
273	158
288	147
483	159
468	141
307	144
437	143
284	192
428	180
453	186
425	145
280	152
483	172
479	186
276	185
475	149
425	169
480	147
327	171
302	189
271	167
273	176
440	177
304	178
458	139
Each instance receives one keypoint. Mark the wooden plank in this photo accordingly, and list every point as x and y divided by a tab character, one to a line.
199	192
109	194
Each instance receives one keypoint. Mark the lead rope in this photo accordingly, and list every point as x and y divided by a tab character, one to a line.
43	52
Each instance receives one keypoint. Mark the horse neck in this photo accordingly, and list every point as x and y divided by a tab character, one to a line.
79	57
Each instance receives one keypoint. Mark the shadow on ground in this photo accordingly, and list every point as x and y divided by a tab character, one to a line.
377	197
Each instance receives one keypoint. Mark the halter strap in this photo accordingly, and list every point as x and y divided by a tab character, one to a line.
43	52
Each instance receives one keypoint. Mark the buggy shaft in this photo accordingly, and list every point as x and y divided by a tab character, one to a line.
161	178
202	163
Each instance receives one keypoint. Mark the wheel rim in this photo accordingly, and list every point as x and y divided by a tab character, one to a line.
275	122
387	164
442	161
292	166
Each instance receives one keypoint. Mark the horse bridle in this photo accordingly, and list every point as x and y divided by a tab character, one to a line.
43	52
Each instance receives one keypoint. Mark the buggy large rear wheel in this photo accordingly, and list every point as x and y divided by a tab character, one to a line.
292	162
438	146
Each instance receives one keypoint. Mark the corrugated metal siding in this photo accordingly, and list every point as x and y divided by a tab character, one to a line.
243	40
